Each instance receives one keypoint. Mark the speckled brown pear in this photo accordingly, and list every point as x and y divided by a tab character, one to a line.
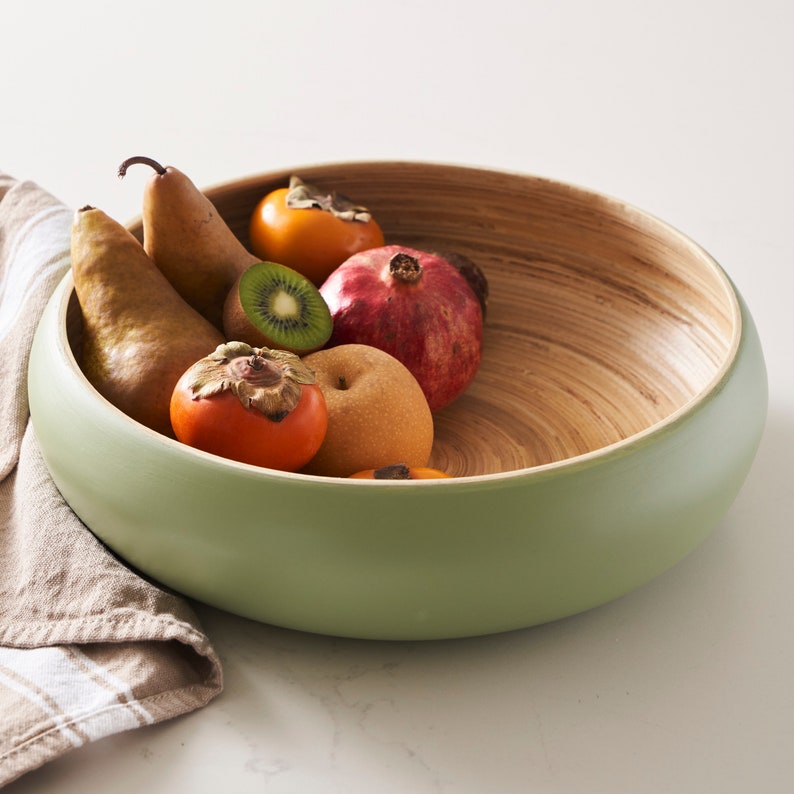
188	239
377	412
139	335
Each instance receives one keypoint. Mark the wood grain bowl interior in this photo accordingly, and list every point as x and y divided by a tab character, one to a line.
602	322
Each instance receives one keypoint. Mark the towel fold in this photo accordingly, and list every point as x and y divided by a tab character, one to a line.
88	647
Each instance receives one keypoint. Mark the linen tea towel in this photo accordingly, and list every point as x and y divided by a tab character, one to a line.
87	647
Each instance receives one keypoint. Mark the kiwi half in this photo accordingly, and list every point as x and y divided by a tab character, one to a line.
274	306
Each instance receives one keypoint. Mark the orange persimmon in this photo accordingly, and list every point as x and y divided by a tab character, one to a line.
399	471
252	405
310	230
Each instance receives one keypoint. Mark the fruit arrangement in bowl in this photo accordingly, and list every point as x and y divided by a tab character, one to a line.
189	333
500	401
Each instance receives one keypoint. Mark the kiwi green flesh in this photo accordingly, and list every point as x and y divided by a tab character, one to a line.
285	306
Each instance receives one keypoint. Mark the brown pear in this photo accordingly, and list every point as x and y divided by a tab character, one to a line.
139	335
188	239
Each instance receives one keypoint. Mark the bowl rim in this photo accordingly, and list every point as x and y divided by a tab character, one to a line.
575	462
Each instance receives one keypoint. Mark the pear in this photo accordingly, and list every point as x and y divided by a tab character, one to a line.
188	239
139	335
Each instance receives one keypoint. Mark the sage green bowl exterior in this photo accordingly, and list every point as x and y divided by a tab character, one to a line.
403	560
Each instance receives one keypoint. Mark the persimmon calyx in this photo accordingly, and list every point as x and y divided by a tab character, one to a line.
302	195
394	471
267	380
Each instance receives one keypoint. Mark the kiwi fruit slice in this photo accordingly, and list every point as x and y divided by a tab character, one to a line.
271	305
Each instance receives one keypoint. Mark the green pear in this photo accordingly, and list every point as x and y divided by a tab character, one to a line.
139	335
188	239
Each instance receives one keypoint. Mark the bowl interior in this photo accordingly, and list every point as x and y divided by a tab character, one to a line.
602	323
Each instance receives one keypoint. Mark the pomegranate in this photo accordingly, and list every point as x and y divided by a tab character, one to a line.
414	305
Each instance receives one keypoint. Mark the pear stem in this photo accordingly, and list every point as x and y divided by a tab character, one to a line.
140	160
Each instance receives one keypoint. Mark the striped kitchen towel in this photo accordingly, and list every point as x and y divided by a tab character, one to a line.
87	647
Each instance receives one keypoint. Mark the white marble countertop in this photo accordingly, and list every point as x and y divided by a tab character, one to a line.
684	109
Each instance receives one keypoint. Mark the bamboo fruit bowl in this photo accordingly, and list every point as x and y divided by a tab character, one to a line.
617	409
602	322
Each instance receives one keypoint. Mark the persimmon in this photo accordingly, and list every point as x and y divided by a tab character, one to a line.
399	471
252	405
310	230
